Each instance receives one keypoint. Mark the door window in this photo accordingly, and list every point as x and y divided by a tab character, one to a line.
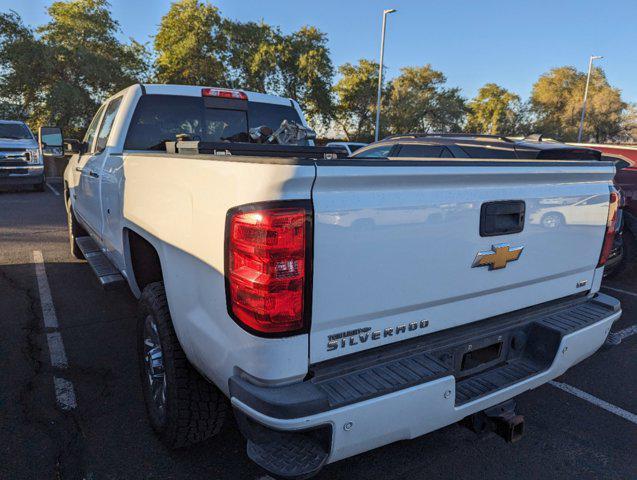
107	124
89	137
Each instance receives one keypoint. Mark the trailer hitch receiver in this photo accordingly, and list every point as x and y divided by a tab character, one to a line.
501	419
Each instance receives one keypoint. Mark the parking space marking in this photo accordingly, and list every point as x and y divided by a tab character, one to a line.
631	417
620	290
48	310
615	338
56	350
57	194
64	391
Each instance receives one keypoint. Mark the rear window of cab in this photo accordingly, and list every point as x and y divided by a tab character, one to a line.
160	118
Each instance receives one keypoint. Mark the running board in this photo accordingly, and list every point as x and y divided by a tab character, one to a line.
108	276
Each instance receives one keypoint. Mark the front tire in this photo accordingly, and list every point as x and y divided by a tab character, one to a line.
75	230
40	187
182	406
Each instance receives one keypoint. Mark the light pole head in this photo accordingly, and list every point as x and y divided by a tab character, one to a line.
596	57
391	10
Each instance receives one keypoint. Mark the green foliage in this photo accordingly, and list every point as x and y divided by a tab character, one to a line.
495	111
420	102
60	73
20	56
557	97
252	54
191	46
356	99
195	46
305	71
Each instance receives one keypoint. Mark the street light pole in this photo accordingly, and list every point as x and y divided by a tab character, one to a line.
588	80
380	72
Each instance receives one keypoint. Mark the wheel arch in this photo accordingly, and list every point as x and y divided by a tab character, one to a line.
142	258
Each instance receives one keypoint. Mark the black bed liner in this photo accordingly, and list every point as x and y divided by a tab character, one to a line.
528	341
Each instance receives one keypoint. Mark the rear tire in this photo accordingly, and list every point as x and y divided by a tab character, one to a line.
182	406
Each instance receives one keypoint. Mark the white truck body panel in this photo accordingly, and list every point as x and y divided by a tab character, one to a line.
394	245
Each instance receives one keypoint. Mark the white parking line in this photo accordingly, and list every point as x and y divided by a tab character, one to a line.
64	391
615	338
620	290
48	310
56	350
631	417
57	194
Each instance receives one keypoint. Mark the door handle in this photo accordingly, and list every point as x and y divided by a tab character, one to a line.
93	174
78	169
502	217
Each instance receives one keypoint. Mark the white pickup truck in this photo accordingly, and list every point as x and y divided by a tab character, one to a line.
336	305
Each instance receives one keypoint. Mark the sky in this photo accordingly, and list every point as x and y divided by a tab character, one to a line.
472	42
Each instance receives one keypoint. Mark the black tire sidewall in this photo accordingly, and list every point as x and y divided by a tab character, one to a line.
148	306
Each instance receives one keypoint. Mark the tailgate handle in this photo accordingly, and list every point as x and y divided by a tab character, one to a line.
502	218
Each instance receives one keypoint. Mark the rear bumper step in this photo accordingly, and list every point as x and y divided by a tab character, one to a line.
108	276
528	342
405	390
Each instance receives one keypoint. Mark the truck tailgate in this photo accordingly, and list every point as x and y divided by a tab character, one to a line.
394	245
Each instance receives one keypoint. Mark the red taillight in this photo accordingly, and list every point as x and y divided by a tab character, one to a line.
267	263
222	93
611	230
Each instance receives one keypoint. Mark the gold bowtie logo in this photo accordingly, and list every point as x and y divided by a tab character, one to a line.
498	256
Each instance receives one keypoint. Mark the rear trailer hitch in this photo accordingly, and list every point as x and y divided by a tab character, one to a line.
501	419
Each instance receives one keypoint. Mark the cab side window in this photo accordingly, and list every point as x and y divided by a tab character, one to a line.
107	124
89	137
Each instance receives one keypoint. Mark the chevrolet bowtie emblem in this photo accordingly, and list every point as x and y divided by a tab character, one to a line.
498	256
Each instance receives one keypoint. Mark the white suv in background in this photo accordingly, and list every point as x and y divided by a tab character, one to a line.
21	161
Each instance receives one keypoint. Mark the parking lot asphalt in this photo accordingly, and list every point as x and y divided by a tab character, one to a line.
106	435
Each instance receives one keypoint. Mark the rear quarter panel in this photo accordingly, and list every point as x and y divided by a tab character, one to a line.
179	203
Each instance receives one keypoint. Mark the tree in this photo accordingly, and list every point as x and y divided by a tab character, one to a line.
191	46
495	111
419	101
305	72
21	54
556	100
356	99
62	71
253	54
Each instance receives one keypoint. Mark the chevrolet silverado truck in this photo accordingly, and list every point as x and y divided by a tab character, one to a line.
21	159
335	304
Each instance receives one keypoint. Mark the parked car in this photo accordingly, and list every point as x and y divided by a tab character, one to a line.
21	160
350	147
625	159
271	279
461	145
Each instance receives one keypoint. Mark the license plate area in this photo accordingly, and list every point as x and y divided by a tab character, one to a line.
475	358
481	354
